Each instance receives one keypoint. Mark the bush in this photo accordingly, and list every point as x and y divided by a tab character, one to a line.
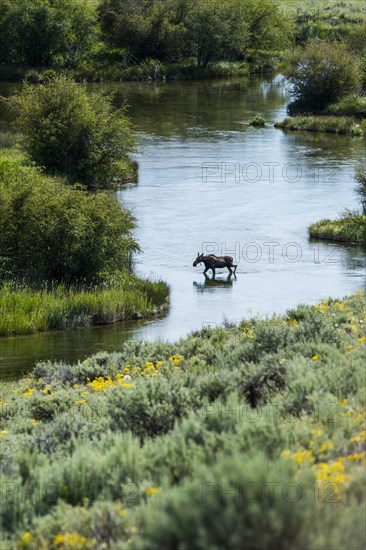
361	187
320	74
74	133
49	231
151	408
228	506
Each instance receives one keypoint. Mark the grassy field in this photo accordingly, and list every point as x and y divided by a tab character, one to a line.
25	310
348	228
242	435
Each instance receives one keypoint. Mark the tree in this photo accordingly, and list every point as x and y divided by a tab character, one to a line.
75	133
208	31
45	32
147	28
321	74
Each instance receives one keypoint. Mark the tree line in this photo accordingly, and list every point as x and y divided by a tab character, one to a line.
43	33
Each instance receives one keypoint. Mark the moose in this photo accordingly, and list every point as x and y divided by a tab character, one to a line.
215	262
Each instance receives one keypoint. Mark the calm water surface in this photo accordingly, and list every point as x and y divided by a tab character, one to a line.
209	181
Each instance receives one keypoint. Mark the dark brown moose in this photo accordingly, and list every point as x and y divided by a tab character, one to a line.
215	262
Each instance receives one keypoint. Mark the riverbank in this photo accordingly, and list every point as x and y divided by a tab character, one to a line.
145	71
347	229
65	255
129	450
25	310
322	123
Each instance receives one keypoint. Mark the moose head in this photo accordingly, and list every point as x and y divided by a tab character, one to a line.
198	260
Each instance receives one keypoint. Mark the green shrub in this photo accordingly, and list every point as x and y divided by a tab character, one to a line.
201	450
258	120
226	505
320	74
361	187
49	231
150	408
74	133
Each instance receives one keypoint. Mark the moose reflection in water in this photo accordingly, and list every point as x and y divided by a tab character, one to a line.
215	262
211	283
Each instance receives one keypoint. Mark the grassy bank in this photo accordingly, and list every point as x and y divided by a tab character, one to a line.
25	310
348	229
253	434
144	71
329	124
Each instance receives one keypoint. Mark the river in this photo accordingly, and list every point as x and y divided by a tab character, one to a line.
208	181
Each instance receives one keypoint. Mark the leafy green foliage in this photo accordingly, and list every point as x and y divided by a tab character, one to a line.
74	133
206	31
50	231
320	74
361	187
46	32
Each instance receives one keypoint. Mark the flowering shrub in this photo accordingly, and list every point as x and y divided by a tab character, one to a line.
148	447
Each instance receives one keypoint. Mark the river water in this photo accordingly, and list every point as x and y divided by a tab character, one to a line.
208	181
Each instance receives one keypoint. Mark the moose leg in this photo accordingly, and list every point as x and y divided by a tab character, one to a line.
205	271
213	272
235	266
230	270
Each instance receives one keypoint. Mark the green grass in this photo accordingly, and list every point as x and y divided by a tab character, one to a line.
348	228
328	124
250	433
353	106
25	310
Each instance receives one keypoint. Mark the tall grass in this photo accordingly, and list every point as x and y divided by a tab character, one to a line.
328	124
350	228
25	309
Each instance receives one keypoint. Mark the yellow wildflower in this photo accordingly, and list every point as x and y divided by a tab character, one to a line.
153	491
3	432
120	509
101	384
73	540
343	403
357	457
29	392
315	357
127	386
249	333
304	457
361	340
80	401
349	347
46	391
359	437
176	359
35	422
334	472
326	446
26	539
